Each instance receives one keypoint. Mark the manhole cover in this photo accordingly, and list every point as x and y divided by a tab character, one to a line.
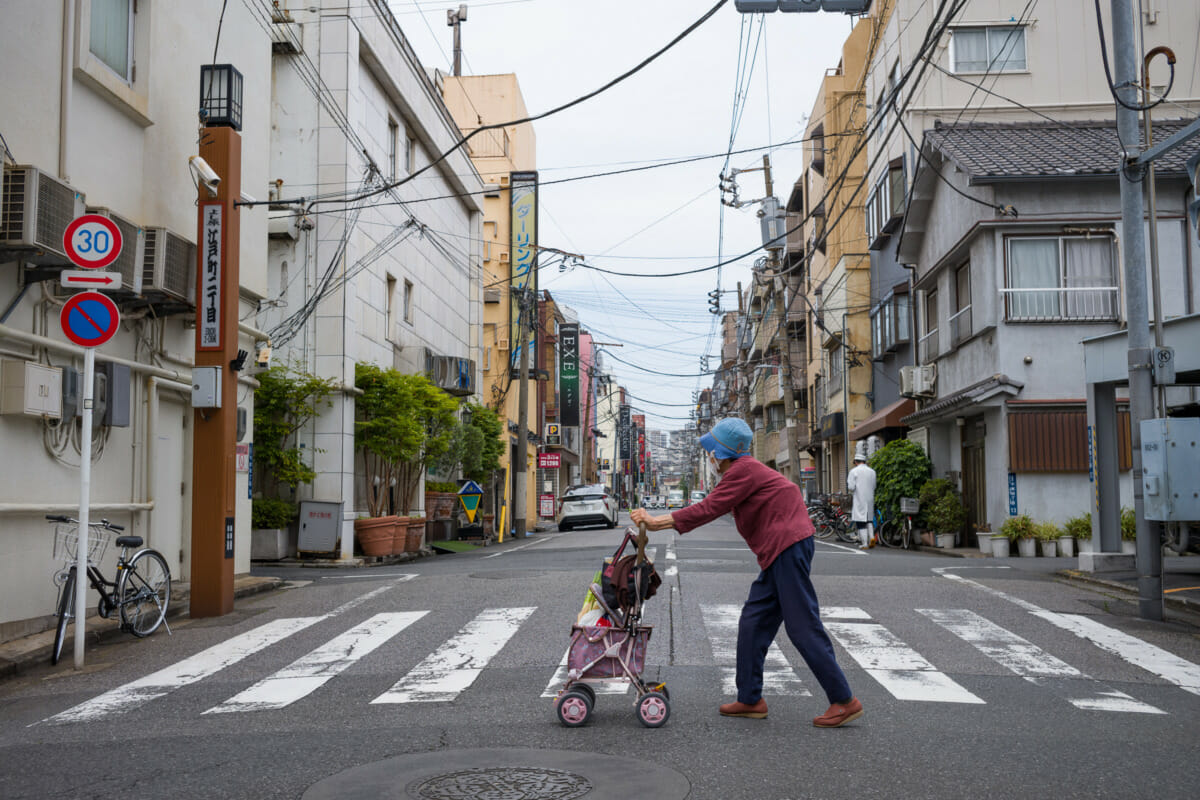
503	783
503	774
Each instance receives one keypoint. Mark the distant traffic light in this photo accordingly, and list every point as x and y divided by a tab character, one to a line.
714	301
767	6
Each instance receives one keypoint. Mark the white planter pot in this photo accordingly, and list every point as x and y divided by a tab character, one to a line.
1085	545
1050	548
1027	548
985	543
1066	544
1128	548
1001	546
945	540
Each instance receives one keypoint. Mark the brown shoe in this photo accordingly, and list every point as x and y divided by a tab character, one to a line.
839	714
736	709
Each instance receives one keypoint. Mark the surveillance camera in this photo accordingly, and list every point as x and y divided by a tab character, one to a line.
205	174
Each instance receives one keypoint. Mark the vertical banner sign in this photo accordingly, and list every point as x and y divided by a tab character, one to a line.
1012	494
522	264
623	432
209	296
568	375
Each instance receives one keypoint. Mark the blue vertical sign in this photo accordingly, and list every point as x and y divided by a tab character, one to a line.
1012	494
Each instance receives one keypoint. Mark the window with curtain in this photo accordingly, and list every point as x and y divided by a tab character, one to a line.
111	35
999	48
1054	278
960	323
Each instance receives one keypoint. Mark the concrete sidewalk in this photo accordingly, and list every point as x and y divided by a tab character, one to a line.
19	655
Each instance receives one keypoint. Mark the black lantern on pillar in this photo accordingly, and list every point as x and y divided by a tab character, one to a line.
221	96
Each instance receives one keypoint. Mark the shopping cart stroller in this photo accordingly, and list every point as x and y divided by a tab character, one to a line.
601	653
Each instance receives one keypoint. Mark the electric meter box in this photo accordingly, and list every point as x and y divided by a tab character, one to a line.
1171	469
320	528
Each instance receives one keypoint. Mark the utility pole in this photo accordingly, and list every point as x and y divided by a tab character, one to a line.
455	19
774	248
519	509
1141	352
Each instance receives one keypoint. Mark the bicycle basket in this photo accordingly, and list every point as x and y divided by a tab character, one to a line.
910	505
66	542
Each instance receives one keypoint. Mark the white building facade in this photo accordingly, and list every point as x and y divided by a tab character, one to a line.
98	111
360	272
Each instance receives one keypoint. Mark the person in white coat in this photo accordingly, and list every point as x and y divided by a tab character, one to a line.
861	484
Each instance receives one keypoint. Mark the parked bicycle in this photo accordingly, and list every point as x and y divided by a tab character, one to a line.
829	517
139	593
898	531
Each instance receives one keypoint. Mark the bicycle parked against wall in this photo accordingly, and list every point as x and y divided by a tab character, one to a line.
898	531
139	593
829	517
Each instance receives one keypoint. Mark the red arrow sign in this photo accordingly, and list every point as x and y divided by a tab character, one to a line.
90	278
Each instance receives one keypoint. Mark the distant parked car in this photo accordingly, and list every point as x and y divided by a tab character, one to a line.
587	505
697	496
675	499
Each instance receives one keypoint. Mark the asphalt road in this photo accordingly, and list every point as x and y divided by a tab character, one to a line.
434	680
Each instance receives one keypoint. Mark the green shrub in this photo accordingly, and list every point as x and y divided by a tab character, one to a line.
901	468
946	515
1080	527
1128	525
934	490
441	486
1046	531
1021	527
268	512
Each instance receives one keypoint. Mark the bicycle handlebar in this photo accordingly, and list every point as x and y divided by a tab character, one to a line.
101	524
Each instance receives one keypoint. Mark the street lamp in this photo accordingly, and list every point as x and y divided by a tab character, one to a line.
221	96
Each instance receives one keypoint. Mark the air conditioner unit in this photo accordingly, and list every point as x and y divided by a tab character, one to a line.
169	267
918	381
35	210
453	375
129	263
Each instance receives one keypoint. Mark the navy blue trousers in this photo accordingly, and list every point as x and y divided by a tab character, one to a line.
783	593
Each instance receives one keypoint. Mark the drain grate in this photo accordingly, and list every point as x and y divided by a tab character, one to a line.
503	783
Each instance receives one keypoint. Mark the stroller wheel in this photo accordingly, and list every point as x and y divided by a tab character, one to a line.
653	709
586	690
573	708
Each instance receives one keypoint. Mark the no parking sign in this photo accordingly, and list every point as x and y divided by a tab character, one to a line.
89	319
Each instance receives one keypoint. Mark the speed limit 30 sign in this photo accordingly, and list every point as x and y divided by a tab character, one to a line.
92	241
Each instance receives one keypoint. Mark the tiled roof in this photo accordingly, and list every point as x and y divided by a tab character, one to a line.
1006	151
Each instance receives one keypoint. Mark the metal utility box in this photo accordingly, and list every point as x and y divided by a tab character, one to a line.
29	388
1171	469
206	387
320	528
116	408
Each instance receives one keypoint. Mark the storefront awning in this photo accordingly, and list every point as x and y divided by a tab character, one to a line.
886	417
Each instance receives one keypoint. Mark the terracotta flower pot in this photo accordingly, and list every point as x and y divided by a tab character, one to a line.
374	535
415	534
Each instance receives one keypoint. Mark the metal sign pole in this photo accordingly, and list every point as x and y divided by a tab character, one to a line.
85	485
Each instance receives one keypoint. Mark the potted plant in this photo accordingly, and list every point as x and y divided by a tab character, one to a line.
1076	529
1128	532
943	511
1047	533
440	499
1014	529
983	537
387	434
286	400
270	518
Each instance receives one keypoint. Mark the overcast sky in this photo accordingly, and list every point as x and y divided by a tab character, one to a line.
661	220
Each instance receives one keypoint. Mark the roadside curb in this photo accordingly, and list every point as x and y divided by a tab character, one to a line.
18	655
1088	578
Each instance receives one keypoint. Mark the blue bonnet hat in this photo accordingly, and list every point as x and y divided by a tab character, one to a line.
729	438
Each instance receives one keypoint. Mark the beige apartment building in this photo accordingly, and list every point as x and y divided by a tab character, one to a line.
475	101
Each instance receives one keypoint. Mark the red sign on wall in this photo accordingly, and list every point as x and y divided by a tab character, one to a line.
549	460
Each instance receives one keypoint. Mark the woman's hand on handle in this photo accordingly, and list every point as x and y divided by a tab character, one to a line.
641	516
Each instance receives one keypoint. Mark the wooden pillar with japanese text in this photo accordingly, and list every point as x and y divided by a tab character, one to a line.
214	436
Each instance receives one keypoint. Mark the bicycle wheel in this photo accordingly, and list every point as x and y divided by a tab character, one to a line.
888	533
845	529
906	534
144	592
66	606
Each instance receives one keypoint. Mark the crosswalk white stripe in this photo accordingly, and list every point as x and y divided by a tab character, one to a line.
1035	665
456	664
1151	658
843	612
190	670
893	664
779	678
310	672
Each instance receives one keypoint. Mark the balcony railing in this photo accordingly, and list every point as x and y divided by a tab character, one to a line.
928	346
960	326
1082	304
